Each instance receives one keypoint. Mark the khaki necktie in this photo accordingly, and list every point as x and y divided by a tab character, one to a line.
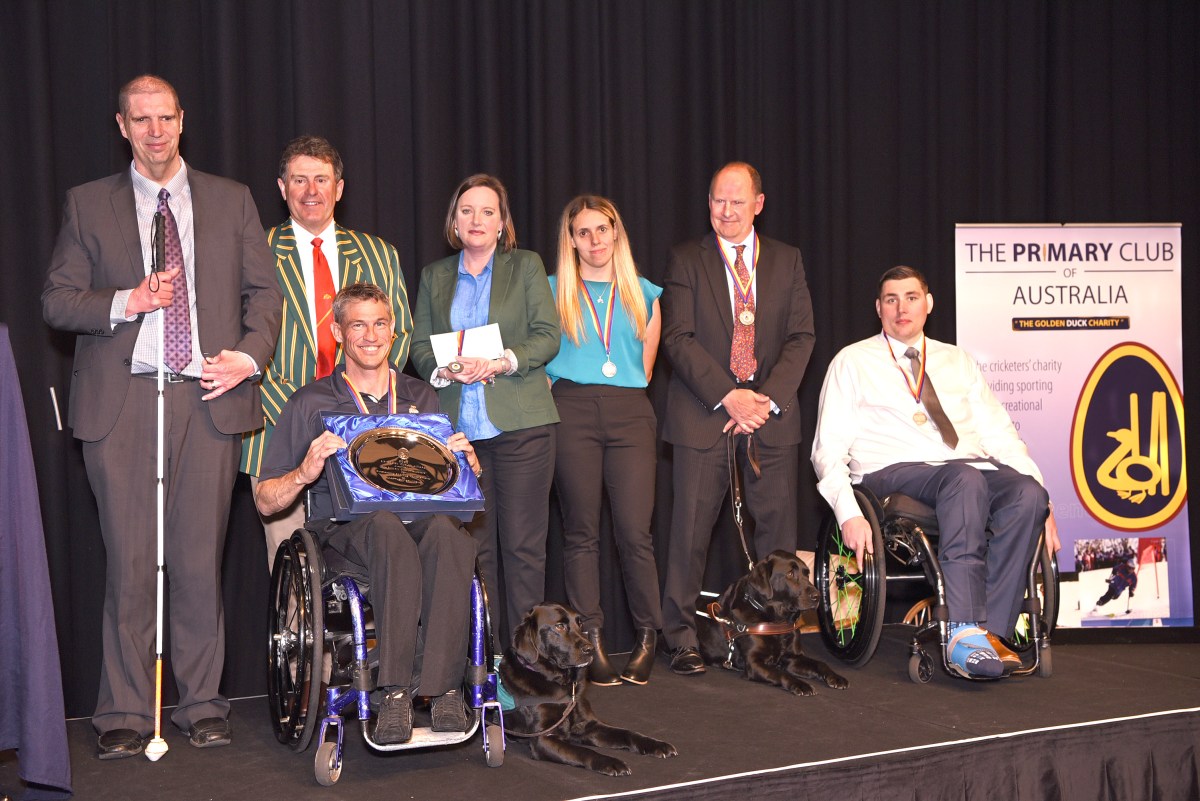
930	399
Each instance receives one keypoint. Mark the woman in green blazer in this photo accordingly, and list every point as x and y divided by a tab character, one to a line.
503	405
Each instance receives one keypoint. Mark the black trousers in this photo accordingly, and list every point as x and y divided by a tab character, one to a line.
988	522
419	579
606	443
518	468
701	483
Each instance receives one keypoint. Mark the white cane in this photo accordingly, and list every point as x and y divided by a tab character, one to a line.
158	746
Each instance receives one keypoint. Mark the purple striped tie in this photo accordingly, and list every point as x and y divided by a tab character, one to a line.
177	323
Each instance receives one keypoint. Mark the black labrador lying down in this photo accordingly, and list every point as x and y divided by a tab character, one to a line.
545	671
754	626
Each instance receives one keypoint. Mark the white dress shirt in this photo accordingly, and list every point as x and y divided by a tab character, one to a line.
866	421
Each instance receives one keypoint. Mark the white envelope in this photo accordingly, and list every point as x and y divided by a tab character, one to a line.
483	342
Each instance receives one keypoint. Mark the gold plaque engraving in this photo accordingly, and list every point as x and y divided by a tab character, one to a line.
402	460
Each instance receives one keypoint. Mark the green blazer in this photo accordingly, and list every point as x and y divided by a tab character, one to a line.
361	257
523	306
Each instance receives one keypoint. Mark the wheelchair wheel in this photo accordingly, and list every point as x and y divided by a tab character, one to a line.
296	635
1046	581
920	668
1045	665
494	753
327	768
850	609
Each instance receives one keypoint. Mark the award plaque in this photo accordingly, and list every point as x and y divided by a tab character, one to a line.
399	463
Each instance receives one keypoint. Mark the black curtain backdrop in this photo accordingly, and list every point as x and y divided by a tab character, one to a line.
876	125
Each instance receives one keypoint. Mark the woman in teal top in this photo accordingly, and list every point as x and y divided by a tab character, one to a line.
610	322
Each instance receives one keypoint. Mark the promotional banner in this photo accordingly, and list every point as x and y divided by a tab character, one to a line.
1077	329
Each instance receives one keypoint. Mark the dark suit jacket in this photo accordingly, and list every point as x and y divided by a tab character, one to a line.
361	258
698	335
238	305
523	306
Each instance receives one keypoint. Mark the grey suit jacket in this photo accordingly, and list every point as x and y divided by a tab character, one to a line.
698	336
523	306
98	251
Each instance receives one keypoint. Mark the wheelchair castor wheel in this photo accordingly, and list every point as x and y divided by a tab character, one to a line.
494	753
920	668
1045	667
327	766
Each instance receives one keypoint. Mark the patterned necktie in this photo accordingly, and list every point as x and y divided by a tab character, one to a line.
323	293
930	399
741	355
177	323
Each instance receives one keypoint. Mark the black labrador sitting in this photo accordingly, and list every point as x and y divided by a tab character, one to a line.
545	672
754	626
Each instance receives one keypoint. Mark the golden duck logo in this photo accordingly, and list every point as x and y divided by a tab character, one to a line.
1127	445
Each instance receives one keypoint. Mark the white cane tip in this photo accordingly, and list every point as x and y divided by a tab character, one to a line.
155	749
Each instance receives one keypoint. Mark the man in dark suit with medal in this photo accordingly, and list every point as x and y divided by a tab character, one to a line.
738	332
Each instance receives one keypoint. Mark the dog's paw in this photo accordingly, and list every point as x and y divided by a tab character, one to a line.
801	688
657	748
835	681
609	766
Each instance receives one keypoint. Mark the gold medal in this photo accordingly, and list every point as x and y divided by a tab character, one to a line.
746	317
609	369
919	418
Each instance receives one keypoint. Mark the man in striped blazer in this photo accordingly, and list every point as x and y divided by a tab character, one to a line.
314	258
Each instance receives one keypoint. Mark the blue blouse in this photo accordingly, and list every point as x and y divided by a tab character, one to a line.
582	363
469	309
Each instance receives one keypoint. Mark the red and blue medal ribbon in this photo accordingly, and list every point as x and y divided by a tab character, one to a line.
916	388
604	331
358	399
743	290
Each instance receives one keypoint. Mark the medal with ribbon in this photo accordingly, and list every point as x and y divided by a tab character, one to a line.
358	399
456	366
916	383
746	317
605	331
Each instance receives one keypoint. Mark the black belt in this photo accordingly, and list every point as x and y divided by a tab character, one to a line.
168	378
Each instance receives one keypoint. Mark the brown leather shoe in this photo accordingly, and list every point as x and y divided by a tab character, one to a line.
1009	658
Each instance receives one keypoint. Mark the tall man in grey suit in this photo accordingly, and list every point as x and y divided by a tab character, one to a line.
99	285
738	331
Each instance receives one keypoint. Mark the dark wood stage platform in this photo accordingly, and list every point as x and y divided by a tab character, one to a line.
1114	722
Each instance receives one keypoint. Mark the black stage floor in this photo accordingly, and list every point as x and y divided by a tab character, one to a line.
768	741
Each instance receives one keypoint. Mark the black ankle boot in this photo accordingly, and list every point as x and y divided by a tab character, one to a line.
601	670
641	659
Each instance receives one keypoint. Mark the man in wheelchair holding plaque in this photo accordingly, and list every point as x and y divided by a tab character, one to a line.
419	573
881	422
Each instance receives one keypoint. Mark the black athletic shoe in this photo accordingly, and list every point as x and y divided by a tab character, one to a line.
395	721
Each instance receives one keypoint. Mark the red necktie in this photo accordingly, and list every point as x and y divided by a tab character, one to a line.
177	322
323	293
741	355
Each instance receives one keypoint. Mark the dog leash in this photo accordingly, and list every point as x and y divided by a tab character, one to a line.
558	723
735	483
